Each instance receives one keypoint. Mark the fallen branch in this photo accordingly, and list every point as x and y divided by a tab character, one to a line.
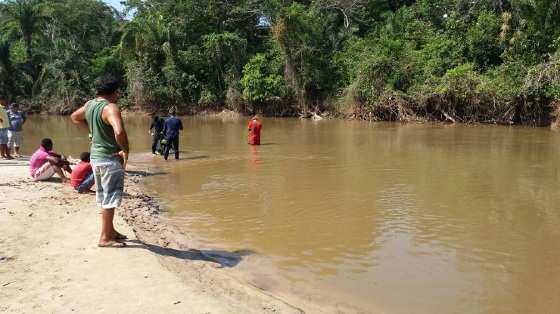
448	117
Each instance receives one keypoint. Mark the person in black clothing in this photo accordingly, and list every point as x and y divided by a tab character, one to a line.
171	129
156	129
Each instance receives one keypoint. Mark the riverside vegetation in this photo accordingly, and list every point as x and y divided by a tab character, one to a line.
459	60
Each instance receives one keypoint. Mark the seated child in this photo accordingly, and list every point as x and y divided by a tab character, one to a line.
82	175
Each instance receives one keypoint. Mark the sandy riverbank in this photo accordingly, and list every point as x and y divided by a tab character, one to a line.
49	261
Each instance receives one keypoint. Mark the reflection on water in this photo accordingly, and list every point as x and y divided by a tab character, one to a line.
406	218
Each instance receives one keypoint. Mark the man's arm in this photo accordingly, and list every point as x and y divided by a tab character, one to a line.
180	125
112	116
53	160
79	117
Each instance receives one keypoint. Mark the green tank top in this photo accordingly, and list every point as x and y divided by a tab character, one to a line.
103	143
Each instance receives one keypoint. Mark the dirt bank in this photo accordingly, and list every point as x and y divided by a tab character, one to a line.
49	261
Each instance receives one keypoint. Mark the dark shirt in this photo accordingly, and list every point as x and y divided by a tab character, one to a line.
172	127
157	126
17	119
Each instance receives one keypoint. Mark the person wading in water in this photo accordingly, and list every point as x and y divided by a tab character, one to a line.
171	130
156	130
109	153
255	127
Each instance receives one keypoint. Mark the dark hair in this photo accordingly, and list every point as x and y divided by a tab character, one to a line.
156	118
47	142
84	156
107	85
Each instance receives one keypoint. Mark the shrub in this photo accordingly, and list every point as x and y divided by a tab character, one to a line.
262	79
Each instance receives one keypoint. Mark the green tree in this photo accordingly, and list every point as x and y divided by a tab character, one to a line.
483	41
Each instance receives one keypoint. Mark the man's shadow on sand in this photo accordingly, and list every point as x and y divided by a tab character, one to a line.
224	258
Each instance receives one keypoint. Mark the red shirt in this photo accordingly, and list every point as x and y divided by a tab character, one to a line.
255	127
79	173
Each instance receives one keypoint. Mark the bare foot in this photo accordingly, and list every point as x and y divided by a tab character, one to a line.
111	244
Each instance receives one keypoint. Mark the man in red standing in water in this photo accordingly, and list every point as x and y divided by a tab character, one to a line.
255	127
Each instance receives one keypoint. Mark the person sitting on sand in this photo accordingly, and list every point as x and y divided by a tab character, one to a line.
82	178
254	128
45	163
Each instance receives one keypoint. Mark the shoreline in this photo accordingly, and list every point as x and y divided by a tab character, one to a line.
227	115
144	215
149	221
49	260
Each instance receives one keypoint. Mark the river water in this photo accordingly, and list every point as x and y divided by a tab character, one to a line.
413	218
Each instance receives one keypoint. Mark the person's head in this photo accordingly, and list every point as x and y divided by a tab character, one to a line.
84	156
108	87
156	118
3	100
14	106
172	111
256	117
47	144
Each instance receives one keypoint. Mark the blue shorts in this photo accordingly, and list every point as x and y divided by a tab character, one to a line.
86	184
109	182
4	136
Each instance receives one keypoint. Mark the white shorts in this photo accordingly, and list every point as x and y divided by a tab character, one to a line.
15	139
44	173
109	182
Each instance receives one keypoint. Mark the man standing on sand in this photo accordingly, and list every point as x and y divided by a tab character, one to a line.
4	126
15	137
109	153
254	128
171	130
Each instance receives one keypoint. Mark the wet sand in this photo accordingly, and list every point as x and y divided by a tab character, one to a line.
49	261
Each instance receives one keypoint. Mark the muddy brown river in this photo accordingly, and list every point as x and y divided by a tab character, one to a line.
413	218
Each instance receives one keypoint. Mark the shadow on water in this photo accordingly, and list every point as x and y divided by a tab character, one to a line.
145	173
195	157
172	156
224	258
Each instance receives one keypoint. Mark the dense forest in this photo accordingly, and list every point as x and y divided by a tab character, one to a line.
461	60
